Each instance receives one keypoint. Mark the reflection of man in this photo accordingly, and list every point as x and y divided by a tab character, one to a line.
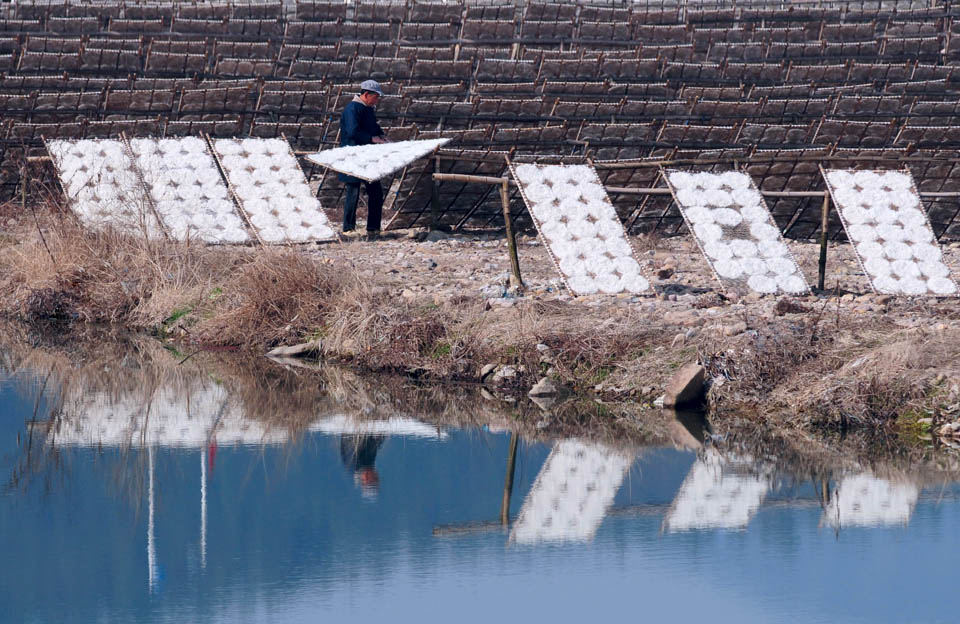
358	126
359	453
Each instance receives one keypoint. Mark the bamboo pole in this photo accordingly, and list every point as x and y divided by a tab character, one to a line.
508	481
435	195
625	190
466	177
515	280
824	231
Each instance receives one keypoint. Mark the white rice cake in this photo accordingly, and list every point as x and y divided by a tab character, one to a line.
267	180
885	222
188	191
579	226
734	229
103	186
377	160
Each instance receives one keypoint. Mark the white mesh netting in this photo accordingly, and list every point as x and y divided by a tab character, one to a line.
735	231
103	185
271	187
580	228
885	222
372	162
188	191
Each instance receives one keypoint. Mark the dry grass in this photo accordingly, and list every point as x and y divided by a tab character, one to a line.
272	296
833	374
875	377
258	298
66	272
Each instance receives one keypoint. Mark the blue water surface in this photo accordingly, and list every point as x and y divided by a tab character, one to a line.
292	533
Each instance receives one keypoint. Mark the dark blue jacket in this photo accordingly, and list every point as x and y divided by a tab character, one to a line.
358	126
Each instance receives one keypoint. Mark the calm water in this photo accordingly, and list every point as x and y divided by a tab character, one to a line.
192	511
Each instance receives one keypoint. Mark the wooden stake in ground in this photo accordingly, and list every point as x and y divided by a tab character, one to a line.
435	196
824	231
515	280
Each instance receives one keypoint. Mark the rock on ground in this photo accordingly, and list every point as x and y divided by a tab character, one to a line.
685	386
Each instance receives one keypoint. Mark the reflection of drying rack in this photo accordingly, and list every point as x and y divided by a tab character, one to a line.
572	493
718	493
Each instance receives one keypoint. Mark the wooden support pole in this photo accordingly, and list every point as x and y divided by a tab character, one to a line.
508	481
435	195
824	235
626	190
465	177
515	280
23	189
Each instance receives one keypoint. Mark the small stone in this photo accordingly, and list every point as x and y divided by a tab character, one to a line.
949	429
545	387
679	339
665	273
787	306
486	370
681	317
546	354
736	329
436	235
544	402
847	298
506	372
406	293
298	350
348	347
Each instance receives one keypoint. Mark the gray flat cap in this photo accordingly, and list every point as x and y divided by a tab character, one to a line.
371	85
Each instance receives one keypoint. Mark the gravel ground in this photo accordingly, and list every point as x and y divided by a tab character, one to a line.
477	265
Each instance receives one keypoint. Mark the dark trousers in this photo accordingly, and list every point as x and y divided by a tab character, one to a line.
374	205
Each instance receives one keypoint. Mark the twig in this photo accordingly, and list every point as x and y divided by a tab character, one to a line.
33	210
189	356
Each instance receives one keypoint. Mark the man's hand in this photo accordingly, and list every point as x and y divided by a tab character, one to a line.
381	139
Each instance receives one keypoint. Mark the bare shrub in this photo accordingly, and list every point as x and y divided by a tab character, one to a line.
273	296
383	332
66	271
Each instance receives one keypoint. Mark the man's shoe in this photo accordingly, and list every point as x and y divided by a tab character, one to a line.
349	235
373	235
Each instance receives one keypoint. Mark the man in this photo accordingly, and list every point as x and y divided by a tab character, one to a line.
358	126
359	454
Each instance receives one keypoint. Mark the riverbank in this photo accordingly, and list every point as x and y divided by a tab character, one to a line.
440	309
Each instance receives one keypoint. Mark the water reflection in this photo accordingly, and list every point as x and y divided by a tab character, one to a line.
865	500
572	493
323	492
720	492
